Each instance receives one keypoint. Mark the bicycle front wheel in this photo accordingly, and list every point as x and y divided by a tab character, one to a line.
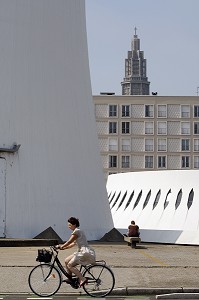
101	280
44	280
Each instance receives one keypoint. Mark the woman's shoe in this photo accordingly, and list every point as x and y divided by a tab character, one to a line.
83	282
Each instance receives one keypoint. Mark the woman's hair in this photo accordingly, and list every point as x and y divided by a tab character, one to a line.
74	221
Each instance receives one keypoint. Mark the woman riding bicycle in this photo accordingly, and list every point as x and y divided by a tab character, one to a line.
84	255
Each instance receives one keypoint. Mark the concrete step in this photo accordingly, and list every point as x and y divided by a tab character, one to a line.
6	242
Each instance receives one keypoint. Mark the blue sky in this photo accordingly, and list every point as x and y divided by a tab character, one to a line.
169	36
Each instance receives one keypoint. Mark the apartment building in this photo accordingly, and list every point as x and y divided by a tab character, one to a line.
143	133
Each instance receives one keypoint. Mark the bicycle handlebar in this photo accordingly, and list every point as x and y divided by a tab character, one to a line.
55	249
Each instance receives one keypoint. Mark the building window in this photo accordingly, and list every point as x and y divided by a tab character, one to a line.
125	127
113	145
149	111
149	144
126	145
185	111
148	127
196	145
125	110
112	127
185	161
112	110
125	161
112	161
162	162
196	111
149	162
157	198
166	202
147	199
196	127
162	145
190	199
196	162
185	145
162	111
179	198
185	128
162	127
129	200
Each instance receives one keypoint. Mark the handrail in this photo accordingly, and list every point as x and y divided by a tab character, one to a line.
14	149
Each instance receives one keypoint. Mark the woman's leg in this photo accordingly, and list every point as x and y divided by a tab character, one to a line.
66	264
71	266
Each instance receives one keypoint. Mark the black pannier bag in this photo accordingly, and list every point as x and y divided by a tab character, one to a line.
44	255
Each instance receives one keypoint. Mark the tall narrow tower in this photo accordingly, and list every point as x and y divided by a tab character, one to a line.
57	171
135	81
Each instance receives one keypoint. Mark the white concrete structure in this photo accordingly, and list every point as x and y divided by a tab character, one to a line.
165	204
46	107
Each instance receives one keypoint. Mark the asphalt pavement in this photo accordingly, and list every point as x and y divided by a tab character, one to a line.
148	271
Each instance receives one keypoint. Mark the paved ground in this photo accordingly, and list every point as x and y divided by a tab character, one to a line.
22	297
148	269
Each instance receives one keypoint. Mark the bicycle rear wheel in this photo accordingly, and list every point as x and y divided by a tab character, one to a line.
101	280
44	280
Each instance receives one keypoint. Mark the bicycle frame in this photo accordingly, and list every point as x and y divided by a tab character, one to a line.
64	272
45	279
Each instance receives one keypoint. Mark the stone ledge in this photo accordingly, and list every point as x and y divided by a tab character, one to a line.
27	242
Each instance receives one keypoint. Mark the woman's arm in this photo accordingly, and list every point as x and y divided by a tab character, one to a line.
69	244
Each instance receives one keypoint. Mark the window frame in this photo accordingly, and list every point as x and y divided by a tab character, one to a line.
160	114
150	145
160	163
113	146
196	113
111	131
126	129
185	162
125	113
113	164
111	112
185	114
195	145
151	128
128	147
196	123
126	163
158	145
149	113
185	147
150	163
187	130
196	162
164	130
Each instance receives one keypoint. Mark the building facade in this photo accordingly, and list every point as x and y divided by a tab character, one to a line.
143	133
135	81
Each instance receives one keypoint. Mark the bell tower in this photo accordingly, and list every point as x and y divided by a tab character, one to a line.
135	81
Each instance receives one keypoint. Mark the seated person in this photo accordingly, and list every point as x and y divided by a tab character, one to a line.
133	230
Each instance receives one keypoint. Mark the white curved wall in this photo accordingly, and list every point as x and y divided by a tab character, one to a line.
176	222
46	106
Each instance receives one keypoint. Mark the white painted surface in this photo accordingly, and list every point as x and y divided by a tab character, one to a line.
46	106
158	223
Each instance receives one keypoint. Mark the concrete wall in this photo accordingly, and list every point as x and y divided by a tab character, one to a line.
164	204
46	106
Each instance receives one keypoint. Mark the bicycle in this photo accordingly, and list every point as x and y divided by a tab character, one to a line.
46	278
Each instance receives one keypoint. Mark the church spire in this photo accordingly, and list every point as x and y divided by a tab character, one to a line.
135	28
135	81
